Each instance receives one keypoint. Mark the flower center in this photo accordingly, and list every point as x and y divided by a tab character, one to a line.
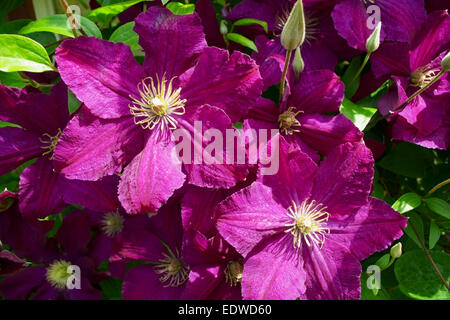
57	274
288	121
308	223
49	143
112	224
157	105
172	269
233	273
422	77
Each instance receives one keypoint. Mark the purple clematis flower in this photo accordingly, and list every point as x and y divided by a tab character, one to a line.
47	279
304	231
132	110
216	271
426	119
302	117
41	118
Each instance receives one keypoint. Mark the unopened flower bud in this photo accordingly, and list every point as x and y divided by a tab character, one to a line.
446	63
298	64
293	33
223	27
396	251
373	42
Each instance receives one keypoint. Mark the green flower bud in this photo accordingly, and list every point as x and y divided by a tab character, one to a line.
446	63
293	33
223	27
373	42
298	64
396	251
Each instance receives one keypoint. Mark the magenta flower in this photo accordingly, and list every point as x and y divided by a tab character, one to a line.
47	278
131	111
302	117
216	268
425	120
304	231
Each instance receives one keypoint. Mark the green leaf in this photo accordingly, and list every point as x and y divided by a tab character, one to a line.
72	102
111	289
19	53
349	74
416	220
164	2
439	206
248	22
407	202
8	6
14	26
418	160
383	261
417	277
127	35
246	42
435	234
360	116
105	14
12	79
58	24
180	8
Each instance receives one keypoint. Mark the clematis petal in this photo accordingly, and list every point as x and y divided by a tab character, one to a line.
98	195
74	234
324	133
35	111
249	216
317	91
431	40
102	74
206	12
372	228
214	170
350	20
401	19
141	189
197	208
231	83
274	271
91	148
294	179
18	146
332	272
171	42
344	179
21	285
142	283
203	280
39	190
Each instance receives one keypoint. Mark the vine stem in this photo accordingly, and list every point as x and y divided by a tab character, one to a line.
418	92
437	187
70	16
361	68
283	76
429	257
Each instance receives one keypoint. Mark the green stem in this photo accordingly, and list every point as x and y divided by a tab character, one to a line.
420	91
438	272
361	68
437	187
283	76
389	264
